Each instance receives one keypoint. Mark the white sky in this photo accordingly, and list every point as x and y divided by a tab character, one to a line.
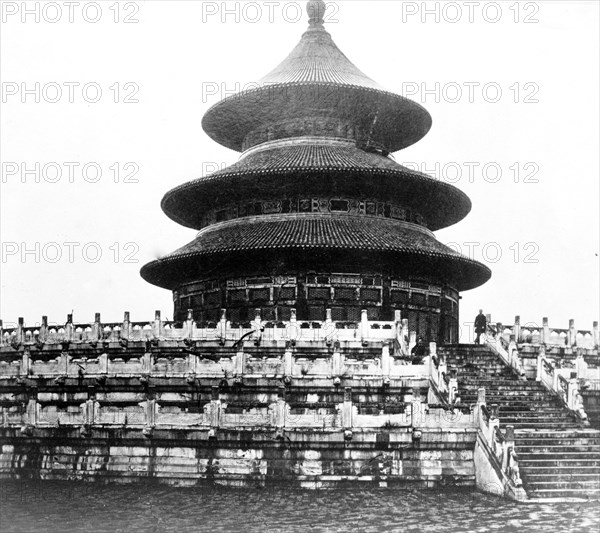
171	54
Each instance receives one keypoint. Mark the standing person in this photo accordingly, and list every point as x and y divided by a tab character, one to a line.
480	325
419	352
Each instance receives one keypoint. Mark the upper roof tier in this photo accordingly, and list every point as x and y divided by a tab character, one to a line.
317	82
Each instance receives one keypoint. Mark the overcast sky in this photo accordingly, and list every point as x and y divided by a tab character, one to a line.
515	126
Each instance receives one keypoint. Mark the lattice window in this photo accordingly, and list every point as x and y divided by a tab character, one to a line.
370	295
418	298
434	322
287	293
213	298
399	297
373	313
260	295
434	301
316	313
353	314
284	313
268	313
318	293
345	294
338	314
237	296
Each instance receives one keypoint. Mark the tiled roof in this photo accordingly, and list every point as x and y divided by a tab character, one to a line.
308	168
317	59
318	81
318	232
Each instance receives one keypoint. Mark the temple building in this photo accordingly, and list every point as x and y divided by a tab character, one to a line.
294	357
316	215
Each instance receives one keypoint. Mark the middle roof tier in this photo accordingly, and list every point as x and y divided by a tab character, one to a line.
320	169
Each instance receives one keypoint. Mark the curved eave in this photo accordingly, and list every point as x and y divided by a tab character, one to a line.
393	121
316	235
441	204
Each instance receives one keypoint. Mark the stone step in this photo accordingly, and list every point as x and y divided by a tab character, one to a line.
507	409
465	346
535	416
536	448
534	464
490	395
504	389
558	456
540	425
560	475
584	433
492	383
566	493
478	366
575	483
493	380
499	380
477	361
515	401
547	440
507	419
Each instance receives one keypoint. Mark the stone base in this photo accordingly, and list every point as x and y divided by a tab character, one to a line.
315	461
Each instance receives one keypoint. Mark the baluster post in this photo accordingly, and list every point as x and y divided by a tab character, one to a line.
412	342
20	331
405	336
540	362
364	326
43	336
222	327
126	326
385	360
157	326
517	329
347	409
189	324
545	331
25	363
572	334
69	329
215	408
97	328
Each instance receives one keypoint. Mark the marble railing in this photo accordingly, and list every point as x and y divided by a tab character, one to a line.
532	333
156	413
498	450
278	360
563	382
224	331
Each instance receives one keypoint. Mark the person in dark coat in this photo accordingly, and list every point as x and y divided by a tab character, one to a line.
480	325
419	352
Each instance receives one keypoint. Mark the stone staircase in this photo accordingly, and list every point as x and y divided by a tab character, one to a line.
559	457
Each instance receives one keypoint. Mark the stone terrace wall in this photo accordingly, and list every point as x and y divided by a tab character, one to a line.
312	403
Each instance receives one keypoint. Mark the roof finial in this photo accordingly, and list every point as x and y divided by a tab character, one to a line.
316	11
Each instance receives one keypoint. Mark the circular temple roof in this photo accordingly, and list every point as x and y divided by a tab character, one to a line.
306	167
312	233
318	80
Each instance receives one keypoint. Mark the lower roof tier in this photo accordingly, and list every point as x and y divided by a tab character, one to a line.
289	239
316	168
